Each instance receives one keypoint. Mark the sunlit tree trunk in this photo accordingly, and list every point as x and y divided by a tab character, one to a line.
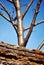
20	23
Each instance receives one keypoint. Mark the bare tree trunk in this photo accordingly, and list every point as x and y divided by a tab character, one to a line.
20	23
19	17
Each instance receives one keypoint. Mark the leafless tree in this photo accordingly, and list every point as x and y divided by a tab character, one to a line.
19	17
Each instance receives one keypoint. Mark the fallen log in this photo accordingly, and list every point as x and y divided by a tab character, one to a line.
16	55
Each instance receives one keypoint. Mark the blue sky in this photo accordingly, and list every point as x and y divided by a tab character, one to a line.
8	34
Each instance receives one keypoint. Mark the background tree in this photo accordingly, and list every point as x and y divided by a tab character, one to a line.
18	26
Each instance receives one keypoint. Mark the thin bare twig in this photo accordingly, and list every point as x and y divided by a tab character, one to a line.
41	45
13	24
28	6
42	21
4	8
4	17
37	23
10	19
27	28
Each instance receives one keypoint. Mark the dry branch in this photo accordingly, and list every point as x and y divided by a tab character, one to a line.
27	28
33	21
41	45
36	23
42	21
8	19
28	6
4	8
4	17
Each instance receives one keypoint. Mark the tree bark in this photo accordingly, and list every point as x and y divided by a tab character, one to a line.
20	23
19	17
16	55
33	21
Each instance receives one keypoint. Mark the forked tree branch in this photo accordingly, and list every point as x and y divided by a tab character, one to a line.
15	24
28	6
8	19
33	21
4	8
15	18
37	23
4	17
12	2
41	45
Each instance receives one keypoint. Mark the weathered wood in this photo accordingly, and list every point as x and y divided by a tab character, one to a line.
15	55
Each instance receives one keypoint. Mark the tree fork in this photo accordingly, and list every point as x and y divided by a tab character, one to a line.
20	23
33	21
